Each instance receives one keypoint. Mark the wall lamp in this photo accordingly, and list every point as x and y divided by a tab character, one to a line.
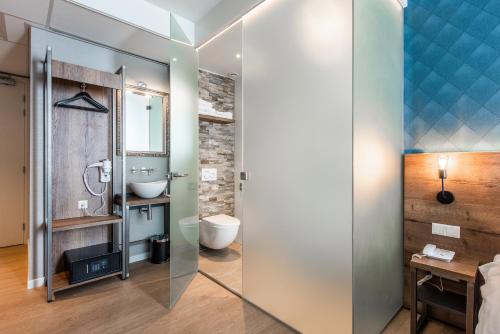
444	197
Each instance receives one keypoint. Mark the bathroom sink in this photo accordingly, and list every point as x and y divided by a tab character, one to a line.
148	189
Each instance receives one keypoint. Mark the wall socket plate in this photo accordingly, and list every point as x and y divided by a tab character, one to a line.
83	204
446	230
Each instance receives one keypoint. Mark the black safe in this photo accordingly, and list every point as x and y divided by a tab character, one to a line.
90	262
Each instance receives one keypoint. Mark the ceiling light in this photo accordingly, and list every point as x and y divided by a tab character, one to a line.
238	56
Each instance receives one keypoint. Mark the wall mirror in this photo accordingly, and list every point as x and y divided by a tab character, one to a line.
146	122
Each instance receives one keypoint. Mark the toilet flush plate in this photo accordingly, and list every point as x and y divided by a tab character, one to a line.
209	174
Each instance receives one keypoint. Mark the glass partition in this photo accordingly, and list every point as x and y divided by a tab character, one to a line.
377	174
297	150
220	80
183	168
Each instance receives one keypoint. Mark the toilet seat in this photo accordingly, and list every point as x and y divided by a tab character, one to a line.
221	221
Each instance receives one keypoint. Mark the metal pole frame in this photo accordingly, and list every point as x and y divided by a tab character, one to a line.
48	173
124	206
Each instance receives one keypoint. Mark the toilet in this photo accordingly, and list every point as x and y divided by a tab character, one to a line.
218	232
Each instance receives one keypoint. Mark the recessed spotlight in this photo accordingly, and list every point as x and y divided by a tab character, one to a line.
174	59
238	56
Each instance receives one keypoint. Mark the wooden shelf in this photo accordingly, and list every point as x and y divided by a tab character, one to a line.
215	119
83	222
446	299
459	268
133	200
60	281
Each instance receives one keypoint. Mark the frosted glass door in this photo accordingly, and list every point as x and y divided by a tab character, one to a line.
184	168
297	150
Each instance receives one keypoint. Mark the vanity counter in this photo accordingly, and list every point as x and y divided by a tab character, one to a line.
133	200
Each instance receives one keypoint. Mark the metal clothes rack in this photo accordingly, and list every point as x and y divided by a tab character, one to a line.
118	217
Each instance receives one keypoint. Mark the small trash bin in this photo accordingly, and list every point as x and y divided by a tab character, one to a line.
160	248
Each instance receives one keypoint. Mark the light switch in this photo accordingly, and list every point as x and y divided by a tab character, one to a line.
209	174
453	231
446	230
438	229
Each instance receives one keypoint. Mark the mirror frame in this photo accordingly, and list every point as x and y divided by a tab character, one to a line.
166	114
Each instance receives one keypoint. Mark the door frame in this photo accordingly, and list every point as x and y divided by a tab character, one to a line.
27	164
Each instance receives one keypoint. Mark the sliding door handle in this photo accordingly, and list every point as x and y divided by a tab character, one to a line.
176	175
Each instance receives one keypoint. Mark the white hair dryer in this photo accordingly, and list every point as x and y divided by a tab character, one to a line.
105	169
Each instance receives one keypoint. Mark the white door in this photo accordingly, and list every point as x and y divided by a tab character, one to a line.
11	164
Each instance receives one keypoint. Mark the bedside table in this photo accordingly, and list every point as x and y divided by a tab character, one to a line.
461	269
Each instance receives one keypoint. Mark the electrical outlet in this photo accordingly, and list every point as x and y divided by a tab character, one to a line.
83	204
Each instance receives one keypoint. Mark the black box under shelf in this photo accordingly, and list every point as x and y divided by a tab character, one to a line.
93	261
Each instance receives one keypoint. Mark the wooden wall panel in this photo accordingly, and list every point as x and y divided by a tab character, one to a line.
79	138
86	75
474	179
65	240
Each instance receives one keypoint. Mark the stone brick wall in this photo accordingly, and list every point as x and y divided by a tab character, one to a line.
216	147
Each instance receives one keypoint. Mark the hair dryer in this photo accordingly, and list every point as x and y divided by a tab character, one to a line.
105	169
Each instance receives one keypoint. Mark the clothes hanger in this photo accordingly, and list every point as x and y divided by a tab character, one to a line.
83	95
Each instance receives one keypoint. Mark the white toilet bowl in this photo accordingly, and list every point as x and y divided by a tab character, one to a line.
217	232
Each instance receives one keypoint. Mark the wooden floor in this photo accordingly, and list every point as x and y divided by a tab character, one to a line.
401	325
224	265
136	305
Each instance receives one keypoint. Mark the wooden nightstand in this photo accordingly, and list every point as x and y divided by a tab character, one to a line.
463	270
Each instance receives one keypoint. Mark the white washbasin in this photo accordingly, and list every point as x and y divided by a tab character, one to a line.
148	189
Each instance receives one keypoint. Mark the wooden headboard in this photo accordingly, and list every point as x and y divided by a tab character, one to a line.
474	179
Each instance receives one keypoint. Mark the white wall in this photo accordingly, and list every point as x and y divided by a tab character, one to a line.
297	214
13	58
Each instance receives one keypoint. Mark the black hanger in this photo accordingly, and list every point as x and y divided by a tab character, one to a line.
83	95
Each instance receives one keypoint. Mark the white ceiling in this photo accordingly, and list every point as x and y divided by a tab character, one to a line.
219	55
17	15
118	34
192	10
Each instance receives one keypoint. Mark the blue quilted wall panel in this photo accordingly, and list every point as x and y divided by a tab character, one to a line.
452	75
